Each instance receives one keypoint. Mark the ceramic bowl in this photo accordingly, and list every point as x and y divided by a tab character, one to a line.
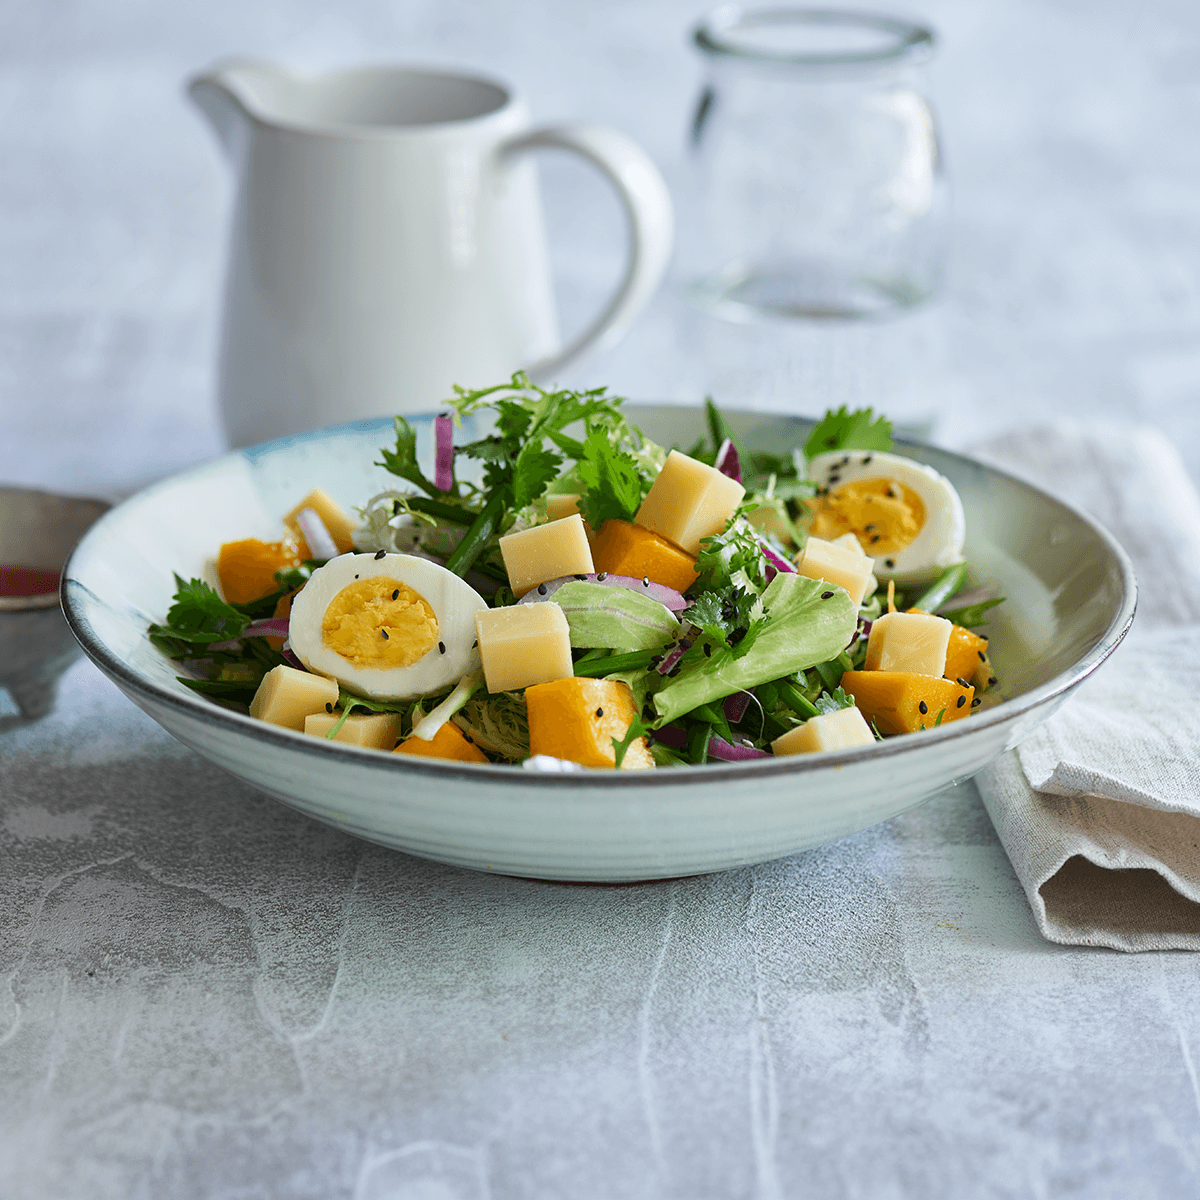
1070	592
37	529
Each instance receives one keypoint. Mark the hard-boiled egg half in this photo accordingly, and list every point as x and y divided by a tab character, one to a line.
906	516
386	626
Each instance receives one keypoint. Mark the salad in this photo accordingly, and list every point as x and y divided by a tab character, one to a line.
598	601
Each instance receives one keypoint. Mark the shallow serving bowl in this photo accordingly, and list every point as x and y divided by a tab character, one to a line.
1070	591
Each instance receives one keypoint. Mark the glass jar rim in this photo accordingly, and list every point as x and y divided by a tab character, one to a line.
903	40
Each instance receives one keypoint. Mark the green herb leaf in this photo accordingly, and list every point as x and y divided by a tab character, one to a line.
615	618
800	630
636	730
845	430
613	484
199	616
403	460
830	702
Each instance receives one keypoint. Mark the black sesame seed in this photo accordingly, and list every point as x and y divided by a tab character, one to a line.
889	562
834	477
874	538
982	635
396	594
468	738
992	681
356	577
922	708
961	701
981	656
380	554
599	712
846	461
542	589
826	595
329	708
867	459
869	528
602	577
645	581
385	634
441	647
831	441
976	702
962	682
707	650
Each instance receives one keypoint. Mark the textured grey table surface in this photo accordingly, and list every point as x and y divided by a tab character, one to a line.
205	995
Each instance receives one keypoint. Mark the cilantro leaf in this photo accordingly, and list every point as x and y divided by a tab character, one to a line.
534	469
845	430
199	616
636	730
612	482
403	460
835	701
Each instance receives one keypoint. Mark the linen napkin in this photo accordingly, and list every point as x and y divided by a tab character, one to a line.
1099	810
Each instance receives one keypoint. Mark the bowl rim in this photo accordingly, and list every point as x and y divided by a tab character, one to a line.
75	597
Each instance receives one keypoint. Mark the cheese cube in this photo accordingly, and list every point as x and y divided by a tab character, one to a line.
546	552
841	730
379	731
340	524
562	504
689	501
524	644
838	565
287	695
911	642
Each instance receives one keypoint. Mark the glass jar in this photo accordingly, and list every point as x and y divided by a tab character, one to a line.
820	191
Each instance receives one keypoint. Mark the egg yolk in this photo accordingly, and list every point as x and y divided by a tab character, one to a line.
884	515
379	623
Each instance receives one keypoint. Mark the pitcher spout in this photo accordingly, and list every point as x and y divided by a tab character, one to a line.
225	95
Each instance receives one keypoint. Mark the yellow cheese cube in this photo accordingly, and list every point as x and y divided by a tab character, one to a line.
841	730
689	501
286	696
911	642
340	524
546	552
839	565
561	504
379	731
523	644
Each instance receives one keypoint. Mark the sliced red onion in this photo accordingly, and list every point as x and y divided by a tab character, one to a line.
443	463
289	656
676	738
735	706
267	627
683	643
727	461
666	596
862	632
319	539
777	564
672	736
727	752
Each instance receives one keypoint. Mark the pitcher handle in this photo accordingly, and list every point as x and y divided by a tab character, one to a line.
647	204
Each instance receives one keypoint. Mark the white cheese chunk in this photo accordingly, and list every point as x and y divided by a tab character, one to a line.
841	730
914	642
689	501
546	552
286	696
523	644
839	565
379	731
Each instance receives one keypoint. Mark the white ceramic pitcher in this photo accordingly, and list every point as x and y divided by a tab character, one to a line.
387	242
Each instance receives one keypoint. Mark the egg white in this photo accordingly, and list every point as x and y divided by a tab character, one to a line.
454	604
939	543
